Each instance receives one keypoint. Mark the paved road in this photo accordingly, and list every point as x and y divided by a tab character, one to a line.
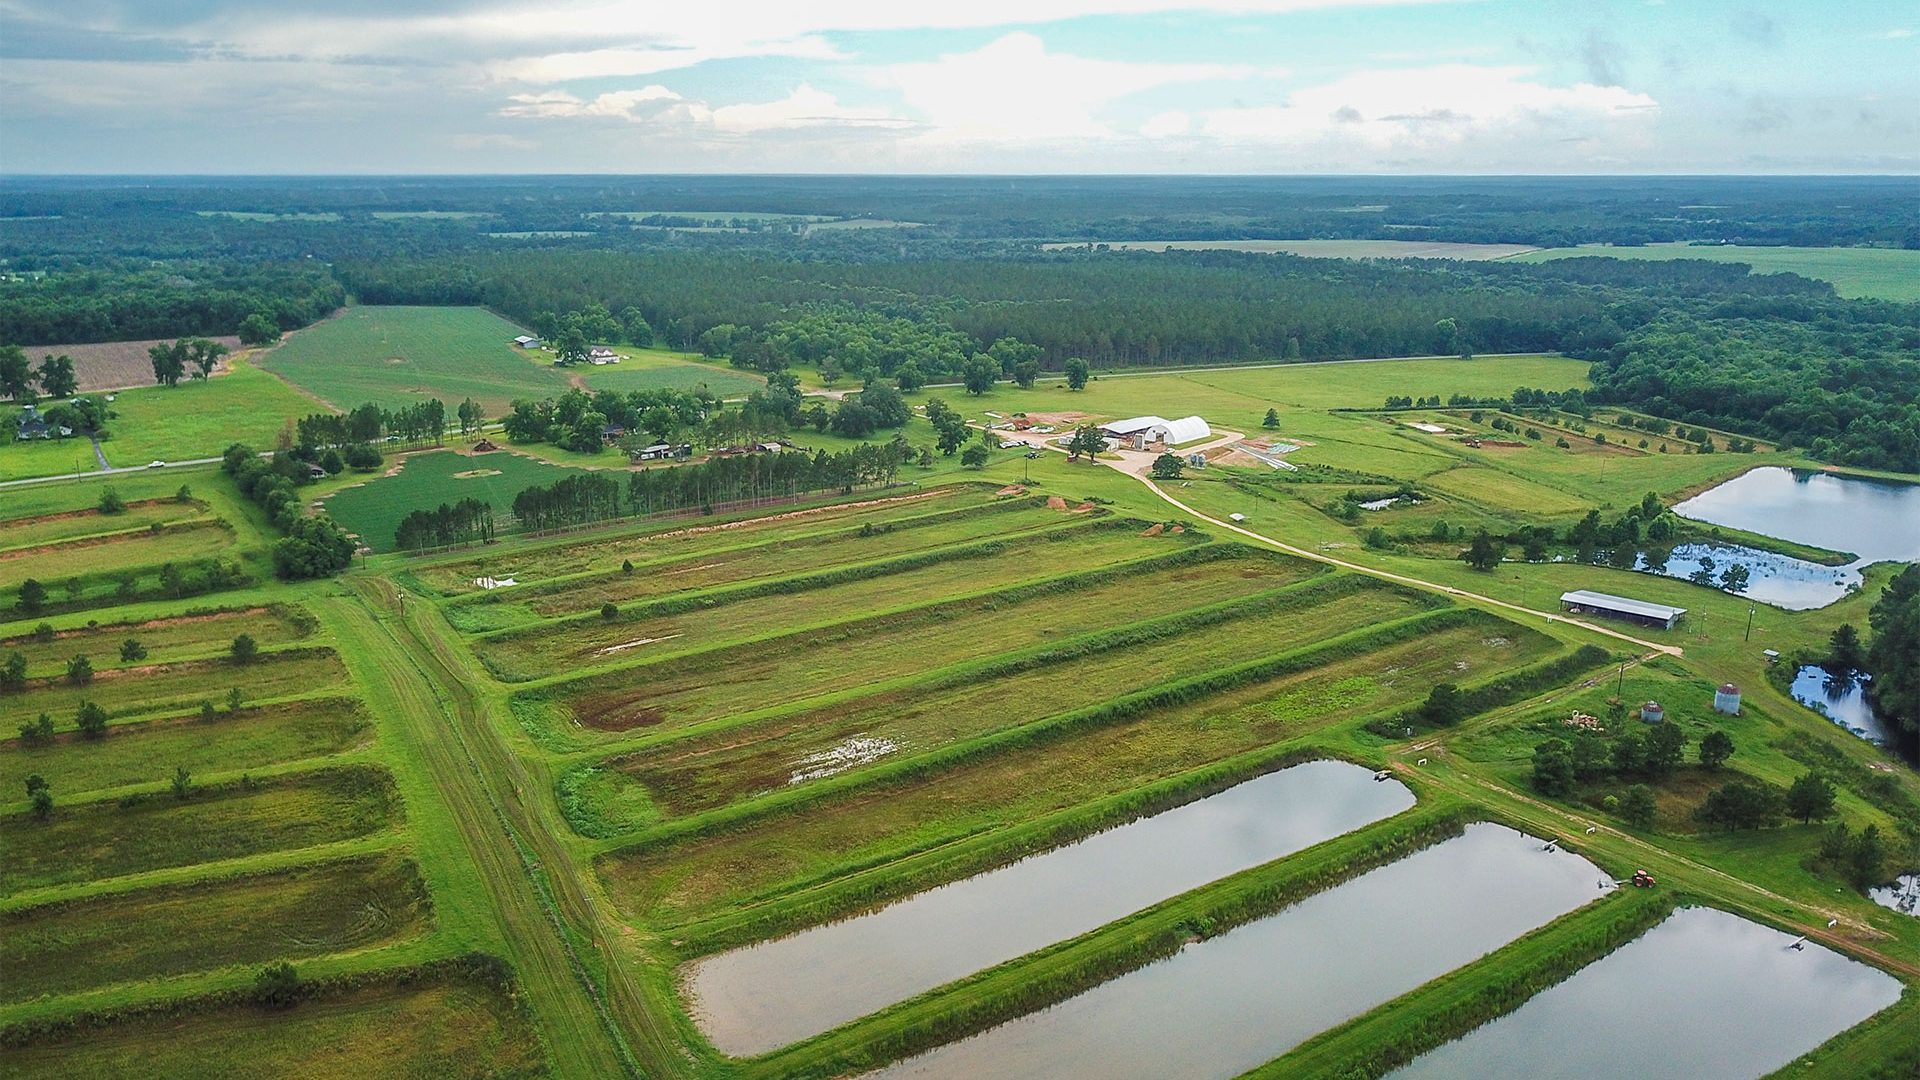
105	471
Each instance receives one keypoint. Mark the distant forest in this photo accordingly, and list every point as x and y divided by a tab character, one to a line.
1775	356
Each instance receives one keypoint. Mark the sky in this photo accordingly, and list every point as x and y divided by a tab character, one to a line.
959	86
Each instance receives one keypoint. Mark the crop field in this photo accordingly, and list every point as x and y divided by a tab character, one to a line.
396	1030
194	635
148	933
117	365
746	611
787	751
147	752
101	840
766	672
114	551
394	356
1325	249
198	419
679	881
30	532
1882	273
184	684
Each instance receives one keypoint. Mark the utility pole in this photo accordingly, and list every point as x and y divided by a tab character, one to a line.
1749	636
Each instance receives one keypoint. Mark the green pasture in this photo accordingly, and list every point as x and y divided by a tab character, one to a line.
200	418
98	840
850	593
170	930
30	532
146	753
46	457
664	369
899	649
441	1027
116	552
395	356
706	874
1882	273
372	509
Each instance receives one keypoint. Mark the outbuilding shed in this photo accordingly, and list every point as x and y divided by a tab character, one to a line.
1646	613
1141	431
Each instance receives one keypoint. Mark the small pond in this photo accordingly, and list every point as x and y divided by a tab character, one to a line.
1877	520
1903	895
1704	995
1222	1006
754	999
1772	578
1843	700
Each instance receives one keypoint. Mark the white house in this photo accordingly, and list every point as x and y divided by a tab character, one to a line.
600	355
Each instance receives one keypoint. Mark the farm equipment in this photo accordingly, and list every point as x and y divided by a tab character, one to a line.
1642	880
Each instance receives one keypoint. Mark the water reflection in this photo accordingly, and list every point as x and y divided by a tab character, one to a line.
1875	519
1704	995
1842	699
1903	895
755	999
1772	578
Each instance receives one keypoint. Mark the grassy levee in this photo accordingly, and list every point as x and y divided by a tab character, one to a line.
896	649
97	556
171	687
448	1018
144	934
53	528
195	633
771	558
102	839
486	867
739	760
681	624
1449	1007
1060	971
1884	1047
649	540
693	869
147	751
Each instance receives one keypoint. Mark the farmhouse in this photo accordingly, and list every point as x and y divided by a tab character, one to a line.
1620	607
664	452
35	426
601	356
1140	432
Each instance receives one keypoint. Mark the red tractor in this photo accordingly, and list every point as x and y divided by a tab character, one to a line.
1642	880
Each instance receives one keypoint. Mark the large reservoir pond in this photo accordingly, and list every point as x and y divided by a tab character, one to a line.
764	996
1877	520
1705	995
1222	1006
1772	578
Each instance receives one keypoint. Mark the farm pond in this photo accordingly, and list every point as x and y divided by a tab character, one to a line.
1705	995
1227	1004
1843	700
754	999
1876	520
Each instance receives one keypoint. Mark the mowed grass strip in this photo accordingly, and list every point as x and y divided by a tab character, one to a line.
309	910
701	875
162	687
148	752
26	532
774	671
404	1029
787	751
780	558
194	634
656	541
105	839
111	554
849	593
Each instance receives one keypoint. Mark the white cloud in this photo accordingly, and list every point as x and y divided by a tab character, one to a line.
1166	125
1014	89
1897	33
614	63
491	142
805	107
1416	107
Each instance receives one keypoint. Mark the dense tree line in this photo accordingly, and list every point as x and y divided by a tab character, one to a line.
115	301
464	522
751	477
1893	657
575	500
313	545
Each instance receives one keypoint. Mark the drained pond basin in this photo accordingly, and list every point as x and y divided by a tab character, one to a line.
755	999
1705	995
1225	1005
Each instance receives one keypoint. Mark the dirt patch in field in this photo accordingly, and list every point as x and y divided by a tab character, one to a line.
118	365
1154	530
636	643
1011	489
1057	418
473	473
1055	502
612	712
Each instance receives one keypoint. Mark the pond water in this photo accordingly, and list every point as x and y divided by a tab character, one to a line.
1222	1006
1780	580
1903	895
1842	700
1704	995
754	999
1876	520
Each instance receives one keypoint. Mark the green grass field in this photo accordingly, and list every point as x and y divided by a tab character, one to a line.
373	508
1326	249
200	419
1885	273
